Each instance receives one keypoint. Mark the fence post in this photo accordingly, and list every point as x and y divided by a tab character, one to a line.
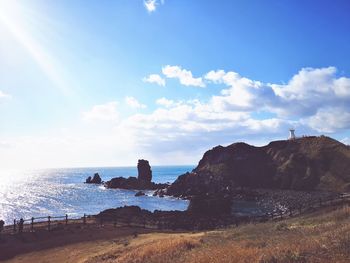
14	226
49	223
115	222
66	219
32	225
84	219
281	214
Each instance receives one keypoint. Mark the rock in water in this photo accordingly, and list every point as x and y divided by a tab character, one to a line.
95	180
144	171
88	180
142	182
139	193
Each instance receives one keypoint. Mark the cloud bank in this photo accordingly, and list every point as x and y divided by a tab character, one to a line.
314	101
134	103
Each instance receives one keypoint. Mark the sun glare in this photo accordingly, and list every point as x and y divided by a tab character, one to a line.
16	20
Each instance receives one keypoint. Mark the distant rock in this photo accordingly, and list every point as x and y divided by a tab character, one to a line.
144	171
139	193
142	182
132	183
95	180
308	163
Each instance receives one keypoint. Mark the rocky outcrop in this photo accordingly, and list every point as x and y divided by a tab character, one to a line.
184	220
210	205
133	183
142	182
139	193
308	163
95	180
144	171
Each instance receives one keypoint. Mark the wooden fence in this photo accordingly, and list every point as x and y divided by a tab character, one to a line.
52	223
342	198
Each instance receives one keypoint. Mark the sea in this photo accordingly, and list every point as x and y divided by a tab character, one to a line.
57	192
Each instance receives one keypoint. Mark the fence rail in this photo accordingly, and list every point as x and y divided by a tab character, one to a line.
52	223
321	202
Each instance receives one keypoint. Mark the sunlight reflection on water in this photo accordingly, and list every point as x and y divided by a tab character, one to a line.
62	191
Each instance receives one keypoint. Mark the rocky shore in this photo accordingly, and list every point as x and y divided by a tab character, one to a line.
202	213
275	200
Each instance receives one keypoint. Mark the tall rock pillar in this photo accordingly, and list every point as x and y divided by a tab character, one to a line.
144	171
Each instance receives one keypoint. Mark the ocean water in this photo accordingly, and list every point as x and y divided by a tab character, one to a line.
56	192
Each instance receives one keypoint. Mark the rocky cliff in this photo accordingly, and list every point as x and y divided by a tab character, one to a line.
308	163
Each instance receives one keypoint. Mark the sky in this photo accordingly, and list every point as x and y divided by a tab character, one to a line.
89	83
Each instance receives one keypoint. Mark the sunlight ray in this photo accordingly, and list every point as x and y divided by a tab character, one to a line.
12	17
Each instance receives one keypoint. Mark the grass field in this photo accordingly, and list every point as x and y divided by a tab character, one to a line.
323	236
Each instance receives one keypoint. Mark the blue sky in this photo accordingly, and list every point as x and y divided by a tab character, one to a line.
91	83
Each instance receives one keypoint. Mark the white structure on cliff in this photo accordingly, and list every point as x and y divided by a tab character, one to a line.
292	134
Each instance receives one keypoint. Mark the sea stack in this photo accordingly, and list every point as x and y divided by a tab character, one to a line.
144	171
95	180
142	182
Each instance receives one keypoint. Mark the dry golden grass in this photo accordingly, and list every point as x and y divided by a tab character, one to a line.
322	237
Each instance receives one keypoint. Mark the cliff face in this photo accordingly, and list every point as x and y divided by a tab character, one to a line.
309	163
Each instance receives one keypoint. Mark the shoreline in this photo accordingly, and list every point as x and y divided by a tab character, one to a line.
134	216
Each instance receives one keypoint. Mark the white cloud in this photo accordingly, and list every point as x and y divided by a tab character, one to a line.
165	102
192	126
306	95
150	5
102	112
313	101
311	90
342	87
215	76
329	120
4	95
155	78
242	94
185	76
134	103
